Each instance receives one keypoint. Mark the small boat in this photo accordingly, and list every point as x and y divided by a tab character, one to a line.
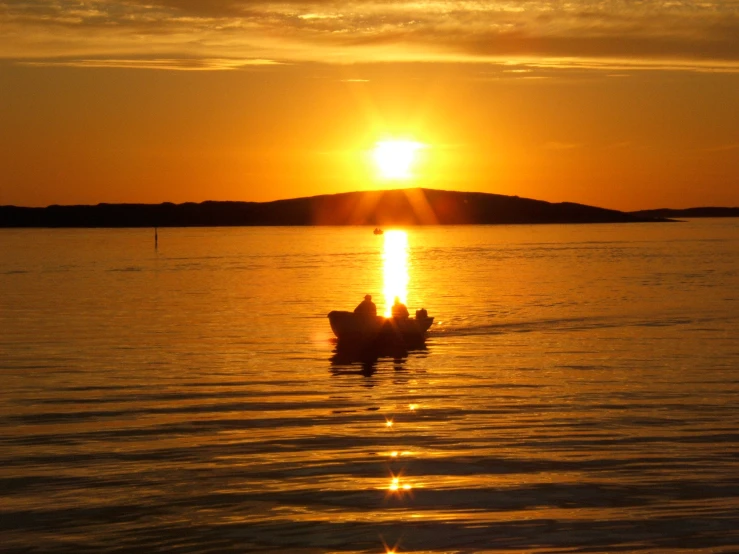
378	231
361	329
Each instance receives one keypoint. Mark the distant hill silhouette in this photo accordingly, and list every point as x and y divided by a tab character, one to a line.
689	212
376	208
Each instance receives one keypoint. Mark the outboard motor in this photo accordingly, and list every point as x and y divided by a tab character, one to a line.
421	314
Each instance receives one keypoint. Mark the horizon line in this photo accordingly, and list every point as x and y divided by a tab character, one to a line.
378	191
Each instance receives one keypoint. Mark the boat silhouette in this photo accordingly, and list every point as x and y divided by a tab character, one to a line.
362	329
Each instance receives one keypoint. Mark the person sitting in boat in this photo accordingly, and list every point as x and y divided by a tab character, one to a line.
399	310
366	307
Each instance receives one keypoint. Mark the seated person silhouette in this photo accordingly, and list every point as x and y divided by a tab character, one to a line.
366	307
399	310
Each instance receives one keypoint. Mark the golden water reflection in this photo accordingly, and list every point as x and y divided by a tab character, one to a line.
396	486
395	268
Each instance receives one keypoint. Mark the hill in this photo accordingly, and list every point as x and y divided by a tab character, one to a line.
689	212
391	207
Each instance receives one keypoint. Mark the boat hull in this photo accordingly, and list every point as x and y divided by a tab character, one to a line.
354	328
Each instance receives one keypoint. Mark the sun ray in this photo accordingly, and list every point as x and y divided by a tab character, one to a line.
420	204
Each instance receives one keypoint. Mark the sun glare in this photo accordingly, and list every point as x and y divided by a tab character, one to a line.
395	158
395	268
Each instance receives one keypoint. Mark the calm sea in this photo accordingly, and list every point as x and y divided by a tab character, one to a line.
579	390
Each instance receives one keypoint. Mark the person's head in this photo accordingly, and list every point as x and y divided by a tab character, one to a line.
368	297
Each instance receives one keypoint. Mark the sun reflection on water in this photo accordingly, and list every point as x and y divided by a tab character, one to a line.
398	453
396	486
390	549
395	268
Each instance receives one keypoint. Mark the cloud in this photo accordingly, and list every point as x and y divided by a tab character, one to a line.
200	64
687	35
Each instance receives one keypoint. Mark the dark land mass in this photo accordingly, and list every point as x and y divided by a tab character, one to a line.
392	207
689	212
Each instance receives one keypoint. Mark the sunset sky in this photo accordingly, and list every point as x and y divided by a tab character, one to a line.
619	104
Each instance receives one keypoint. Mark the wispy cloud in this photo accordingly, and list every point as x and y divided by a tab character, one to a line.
199	64
609	35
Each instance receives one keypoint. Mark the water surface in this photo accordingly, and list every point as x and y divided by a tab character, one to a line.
577	394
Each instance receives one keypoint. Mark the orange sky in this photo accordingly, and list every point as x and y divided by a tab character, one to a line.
621	105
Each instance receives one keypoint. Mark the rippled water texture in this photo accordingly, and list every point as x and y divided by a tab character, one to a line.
578	392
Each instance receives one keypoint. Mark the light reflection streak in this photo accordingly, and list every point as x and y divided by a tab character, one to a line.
390	549
399	453
395	268
396	486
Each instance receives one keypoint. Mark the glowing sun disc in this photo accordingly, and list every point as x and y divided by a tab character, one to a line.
394	158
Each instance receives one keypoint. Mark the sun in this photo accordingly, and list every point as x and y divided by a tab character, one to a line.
395	158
